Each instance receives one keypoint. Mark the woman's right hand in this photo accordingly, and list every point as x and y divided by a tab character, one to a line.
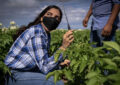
67	39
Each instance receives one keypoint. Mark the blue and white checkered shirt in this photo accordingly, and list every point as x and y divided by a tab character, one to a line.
30	50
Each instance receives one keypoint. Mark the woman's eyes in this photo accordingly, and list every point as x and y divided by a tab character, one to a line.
49	14
58	18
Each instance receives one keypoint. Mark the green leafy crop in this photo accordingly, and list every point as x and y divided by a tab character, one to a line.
88	65
6	41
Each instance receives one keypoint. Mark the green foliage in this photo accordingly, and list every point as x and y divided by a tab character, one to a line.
57	54
5	44
118	36
88	64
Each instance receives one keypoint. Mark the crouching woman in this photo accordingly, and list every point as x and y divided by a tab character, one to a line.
28	57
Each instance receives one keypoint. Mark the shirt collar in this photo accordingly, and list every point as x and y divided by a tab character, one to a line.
44	32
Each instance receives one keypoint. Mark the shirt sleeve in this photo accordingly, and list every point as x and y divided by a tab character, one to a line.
15	50
43	61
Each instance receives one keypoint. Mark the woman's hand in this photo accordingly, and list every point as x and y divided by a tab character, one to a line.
67	39
65	80
65	63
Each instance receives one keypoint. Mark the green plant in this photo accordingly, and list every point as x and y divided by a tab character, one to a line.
5	43
88	65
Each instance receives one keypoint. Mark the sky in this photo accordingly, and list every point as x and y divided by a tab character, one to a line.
25	11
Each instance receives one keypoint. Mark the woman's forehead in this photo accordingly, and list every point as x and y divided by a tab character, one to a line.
54	11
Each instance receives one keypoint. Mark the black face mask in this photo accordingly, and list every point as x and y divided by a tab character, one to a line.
50	22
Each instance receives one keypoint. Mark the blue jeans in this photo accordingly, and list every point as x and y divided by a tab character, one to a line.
95	36
30	78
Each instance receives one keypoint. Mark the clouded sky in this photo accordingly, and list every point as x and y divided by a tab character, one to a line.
25	11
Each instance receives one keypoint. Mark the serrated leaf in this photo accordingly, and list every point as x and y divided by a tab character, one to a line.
90	65
49	75
103	79
56	56
110	67
92	81
85	57
83	65
109	62
73	62
115	77
116	59
75	67
113	45
91	74
68	75
56	77
95	50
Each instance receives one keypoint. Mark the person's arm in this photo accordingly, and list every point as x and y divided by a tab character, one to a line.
43	61
67	39
86	19
41	57
108	27
15	50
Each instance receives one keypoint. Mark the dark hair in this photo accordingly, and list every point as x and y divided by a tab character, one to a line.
36	21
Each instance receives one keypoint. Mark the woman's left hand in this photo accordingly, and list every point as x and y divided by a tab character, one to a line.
65	63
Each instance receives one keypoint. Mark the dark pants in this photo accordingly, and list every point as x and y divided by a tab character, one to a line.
95	36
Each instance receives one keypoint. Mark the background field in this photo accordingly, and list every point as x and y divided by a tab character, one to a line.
89	66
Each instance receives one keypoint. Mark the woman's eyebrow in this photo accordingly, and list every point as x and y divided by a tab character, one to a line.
50	12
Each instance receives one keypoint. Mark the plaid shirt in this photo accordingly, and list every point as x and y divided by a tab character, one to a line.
30	50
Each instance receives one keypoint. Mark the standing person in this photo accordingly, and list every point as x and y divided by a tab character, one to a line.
28	57
104	21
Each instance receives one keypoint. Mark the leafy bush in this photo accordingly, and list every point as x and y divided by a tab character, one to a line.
88	65
5	43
